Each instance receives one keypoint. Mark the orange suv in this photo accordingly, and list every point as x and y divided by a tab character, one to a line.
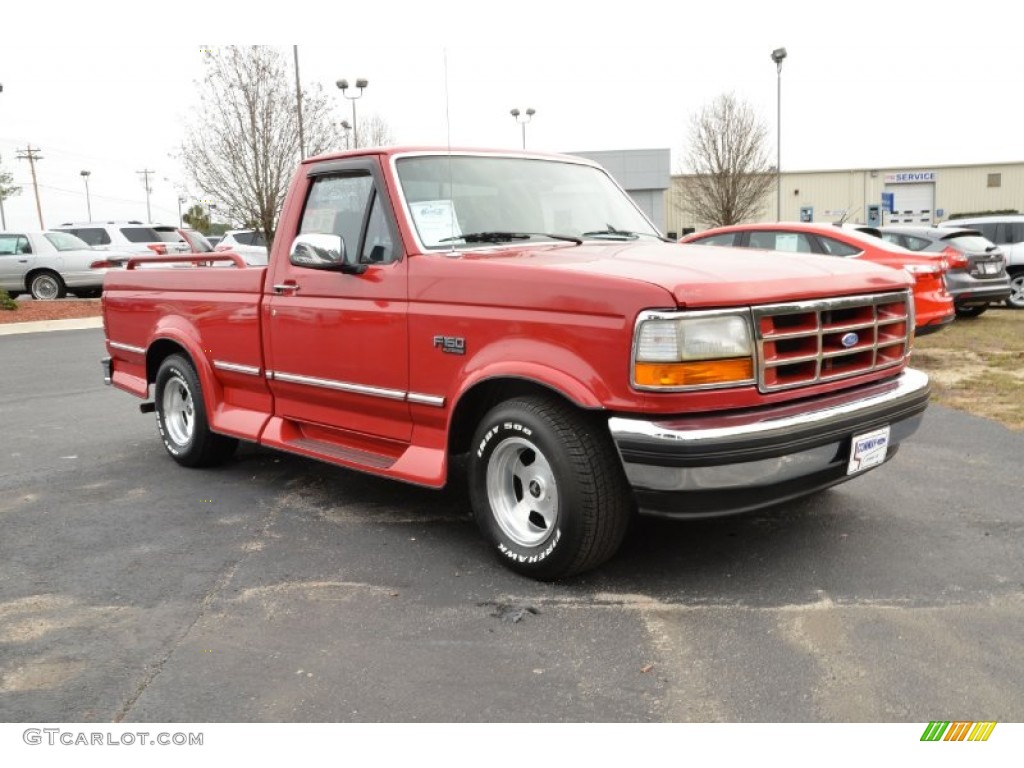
933	306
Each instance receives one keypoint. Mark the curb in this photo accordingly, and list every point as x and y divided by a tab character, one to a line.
38	326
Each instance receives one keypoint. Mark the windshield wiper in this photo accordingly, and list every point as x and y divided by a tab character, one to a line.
611	233
504	237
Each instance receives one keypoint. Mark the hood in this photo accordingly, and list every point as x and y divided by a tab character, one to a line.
710	276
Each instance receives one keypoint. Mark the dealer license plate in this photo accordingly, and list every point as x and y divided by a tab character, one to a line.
868	450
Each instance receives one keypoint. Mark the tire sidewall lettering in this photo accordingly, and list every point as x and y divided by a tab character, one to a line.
172	447
537	557
512	427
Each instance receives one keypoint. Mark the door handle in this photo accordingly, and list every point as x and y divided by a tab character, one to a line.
289	286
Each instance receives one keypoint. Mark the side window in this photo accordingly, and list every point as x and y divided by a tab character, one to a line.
917	243
893	238
837	247
24	246
337	205
726	239
346	204
9	245
92	235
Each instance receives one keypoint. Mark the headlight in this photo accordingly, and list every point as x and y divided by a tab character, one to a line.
699	349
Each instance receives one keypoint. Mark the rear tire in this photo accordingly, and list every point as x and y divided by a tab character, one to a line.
547	488
968	312
181	417
47	286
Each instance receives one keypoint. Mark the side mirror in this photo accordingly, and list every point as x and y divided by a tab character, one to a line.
326	252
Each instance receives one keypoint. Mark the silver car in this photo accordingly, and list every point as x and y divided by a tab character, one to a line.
49	264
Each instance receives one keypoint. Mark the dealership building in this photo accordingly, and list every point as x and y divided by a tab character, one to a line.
900	195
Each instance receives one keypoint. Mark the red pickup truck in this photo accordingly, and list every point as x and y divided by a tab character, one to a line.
520	309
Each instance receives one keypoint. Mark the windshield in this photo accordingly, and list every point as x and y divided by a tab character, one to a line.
452	197
65	241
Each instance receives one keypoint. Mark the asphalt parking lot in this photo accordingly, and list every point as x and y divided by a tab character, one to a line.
282	589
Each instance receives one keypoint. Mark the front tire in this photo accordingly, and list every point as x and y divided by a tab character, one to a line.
547	488
181	417
1016	298
47	286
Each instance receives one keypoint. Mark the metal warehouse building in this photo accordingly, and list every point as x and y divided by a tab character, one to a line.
925	195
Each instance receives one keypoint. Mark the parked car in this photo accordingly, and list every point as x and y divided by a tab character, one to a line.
131	236
49	264
176	242
976	269
1008	233
933	306
247	243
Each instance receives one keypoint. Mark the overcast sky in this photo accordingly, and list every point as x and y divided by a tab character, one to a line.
108	87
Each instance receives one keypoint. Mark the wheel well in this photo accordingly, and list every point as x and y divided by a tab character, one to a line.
38	270
159	351
482	397
1015	269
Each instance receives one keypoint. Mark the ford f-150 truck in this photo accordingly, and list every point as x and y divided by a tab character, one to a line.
521	311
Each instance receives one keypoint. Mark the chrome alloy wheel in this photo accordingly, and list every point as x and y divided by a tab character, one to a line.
522	492
178	410
1016	297
45	287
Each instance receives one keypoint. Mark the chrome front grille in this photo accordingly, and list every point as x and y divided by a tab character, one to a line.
807	342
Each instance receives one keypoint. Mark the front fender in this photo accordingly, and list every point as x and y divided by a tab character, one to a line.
556	367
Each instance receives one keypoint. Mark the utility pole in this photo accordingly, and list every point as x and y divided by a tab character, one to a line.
32	155
145	173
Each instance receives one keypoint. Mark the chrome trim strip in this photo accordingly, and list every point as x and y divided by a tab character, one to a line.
909	386
414	397
126	347
251	370
359	389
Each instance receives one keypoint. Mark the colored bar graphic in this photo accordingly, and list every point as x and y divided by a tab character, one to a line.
958	731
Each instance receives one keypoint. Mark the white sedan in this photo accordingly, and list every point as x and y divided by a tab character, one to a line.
49	264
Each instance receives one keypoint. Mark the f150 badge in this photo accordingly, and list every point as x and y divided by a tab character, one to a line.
453	345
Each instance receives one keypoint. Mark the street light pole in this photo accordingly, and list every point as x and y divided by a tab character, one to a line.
527	116
346	126
361	83
88	201
777	56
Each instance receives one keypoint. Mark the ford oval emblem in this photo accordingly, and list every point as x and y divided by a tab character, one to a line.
849	339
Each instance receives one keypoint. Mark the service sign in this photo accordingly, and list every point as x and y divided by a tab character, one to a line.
911	177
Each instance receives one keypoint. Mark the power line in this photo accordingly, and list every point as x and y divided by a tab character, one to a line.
32	155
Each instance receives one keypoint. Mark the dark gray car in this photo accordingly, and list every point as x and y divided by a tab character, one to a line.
976	277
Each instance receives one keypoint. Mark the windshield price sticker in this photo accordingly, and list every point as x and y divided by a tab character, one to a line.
868	450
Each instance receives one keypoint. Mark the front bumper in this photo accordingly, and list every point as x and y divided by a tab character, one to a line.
709	465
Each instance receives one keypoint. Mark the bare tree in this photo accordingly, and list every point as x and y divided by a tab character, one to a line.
374	131
244	145
729	161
